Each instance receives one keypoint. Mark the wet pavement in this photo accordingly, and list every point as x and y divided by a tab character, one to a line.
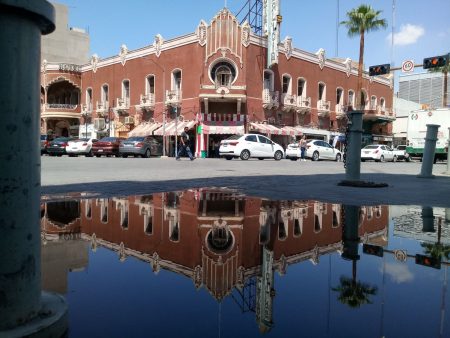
214	262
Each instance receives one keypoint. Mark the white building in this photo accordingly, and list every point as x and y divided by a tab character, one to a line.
402	108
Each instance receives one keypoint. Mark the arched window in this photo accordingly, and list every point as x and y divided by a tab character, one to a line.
268	80
301	87
322	91
382	103
105	93
223	73
287	89
126	90
150	84
339	96
373	102
176	80
89	97
351	98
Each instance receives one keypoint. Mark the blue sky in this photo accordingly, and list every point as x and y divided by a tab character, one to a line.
422	28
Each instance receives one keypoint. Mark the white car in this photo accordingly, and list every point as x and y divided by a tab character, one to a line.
80	146
250	145
315	150
378	153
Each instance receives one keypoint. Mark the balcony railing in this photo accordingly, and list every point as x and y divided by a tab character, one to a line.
173	98
340	111
289	102
102	108
303	104
381	113
147	101
122	104
61	106
323	108
270	99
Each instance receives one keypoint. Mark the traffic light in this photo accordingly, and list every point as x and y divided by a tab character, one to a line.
379	70
428	261
373	250
435	61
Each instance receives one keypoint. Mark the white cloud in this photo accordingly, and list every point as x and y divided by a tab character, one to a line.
399	272
408	35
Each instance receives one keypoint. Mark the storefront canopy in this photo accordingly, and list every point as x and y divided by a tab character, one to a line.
170	130
269	129
223	127
144	129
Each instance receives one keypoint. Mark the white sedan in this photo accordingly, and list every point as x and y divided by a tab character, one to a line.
80	146
250	145
378	153
315	150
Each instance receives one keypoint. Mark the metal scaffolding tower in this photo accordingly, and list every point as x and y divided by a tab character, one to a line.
252	11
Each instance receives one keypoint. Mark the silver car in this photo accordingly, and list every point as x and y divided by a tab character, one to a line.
144	146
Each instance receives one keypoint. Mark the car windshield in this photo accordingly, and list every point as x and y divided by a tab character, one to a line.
108	139
371	147
135	138
62	139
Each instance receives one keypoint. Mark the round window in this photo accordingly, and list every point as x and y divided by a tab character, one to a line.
223	74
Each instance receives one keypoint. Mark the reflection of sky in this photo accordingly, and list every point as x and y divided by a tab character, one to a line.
398	272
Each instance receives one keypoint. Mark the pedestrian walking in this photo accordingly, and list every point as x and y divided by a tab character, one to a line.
302	148
184	145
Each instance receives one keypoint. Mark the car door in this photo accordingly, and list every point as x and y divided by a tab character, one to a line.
386	153
326	150
267	148
253	145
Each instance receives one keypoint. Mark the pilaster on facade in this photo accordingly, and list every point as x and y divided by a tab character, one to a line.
271	99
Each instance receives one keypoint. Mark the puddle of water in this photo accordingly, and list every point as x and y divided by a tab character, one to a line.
215	263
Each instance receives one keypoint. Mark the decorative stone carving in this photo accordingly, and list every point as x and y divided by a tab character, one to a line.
198	273
283	265
315	255
157	44
321	55
240	277
202	32
123	54
287	43
94	243
122	254
245	34
94	62
156	266
44	65
348	66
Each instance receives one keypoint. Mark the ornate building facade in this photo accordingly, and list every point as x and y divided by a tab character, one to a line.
215	81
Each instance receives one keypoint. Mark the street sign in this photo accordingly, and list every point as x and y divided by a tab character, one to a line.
408	66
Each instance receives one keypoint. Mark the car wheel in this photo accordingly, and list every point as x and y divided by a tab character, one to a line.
278	155
228	158
315	156
381	158
89	154
408	158
338	158
394	159
147	153
97	155
245	155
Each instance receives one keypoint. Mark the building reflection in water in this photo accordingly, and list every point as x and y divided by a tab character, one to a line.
225	242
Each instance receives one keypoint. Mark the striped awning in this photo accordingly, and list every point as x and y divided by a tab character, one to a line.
170	130
144	129
291	131
265	128
223	127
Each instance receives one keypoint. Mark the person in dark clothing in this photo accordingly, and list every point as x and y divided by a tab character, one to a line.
184	145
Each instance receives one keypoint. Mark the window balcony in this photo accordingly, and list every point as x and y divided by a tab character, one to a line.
102	108
380	113
270	99
147	102
289	102
173	98
122	105
340	111
323	108
303	104
86	109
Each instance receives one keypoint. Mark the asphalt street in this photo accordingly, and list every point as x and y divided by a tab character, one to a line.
64	176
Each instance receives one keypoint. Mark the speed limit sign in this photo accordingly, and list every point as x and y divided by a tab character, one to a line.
408	66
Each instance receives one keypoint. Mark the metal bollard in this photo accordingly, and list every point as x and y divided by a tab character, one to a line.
427	219
350	236
353	156
24	309
428	151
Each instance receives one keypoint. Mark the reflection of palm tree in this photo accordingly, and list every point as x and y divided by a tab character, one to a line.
352	292
437	250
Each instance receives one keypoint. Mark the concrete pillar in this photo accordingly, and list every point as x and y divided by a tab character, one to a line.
428	151
24	310
353	155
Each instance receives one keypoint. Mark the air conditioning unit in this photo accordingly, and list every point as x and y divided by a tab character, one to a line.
129	120
99	123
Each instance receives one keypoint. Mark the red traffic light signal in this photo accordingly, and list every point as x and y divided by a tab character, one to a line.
373	250
379	69
428	261
435	61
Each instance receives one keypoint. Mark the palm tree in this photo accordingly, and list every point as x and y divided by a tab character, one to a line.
444	70
361	20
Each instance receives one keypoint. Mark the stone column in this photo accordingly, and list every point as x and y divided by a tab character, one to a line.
428	151
24	310
353	155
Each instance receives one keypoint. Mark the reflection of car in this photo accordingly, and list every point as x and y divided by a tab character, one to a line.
58	146
45	141
107	146
378	153
250	145
80	146
315	150
143	146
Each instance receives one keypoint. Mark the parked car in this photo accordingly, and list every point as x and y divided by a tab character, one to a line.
315	150
400	152
107	146
378	153
250	145
58	146
144	146
45	141
82	146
